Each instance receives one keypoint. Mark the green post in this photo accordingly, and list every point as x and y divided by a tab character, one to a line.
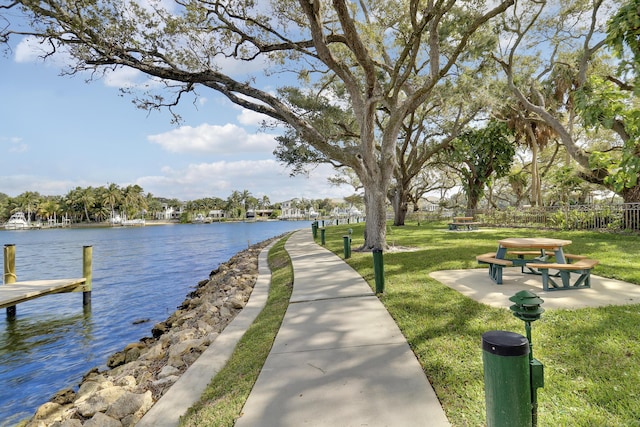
528	308
378	270
87	273
505	356
322	237
347	246
314	229
9	275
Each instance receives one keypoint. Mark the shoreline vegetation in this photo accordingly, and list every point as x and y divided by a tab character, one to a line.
590	355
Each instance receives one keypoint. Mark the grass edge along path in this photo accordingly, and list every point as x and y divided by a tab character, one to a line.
590	356
222	401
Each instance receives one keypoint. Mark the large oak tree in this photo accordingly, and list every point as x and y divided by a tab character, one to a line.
385	56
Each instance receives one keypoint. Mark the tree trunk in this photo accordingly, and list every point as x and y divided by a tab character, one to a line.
473	195
375	233
536	192
400	203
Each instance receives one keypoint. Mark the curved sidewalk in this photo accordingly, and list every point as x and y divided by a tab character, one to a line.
339	358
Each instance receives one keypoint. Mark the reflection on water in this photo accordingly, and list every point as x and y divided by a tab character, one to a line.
35	349
138	274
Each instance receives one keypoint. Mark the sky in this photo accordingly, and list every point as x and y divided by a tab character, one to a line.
60	132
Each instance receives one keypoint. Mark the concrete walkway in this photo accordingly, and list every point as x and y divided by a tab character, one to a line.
339	358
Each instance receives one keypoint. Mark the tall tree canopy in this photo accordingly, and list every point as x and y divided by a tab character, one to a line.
479	155
573	66
378	61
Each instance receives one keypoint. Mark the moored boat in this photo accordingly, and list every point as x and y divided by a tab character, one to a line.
17	221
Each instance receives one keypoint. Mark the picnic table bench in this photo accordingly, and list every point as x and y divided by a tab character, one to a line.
581	267
463	223
537	262
495	265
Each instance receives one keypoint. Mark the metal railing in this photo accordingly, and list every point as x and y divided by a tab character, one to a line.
612	217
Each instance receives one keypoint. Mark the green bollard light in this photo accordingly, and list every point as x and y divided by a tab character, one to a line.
347	246
506	379
527	308
378	270
322	237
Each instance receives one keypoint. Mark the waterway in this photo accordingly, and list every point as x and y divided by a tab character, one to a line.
140	276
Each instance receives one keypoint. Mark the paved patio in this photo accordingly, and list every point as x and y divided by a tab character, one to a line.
475	283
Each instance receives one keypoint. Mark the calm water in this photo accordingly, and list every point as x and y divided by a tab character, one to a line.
138	274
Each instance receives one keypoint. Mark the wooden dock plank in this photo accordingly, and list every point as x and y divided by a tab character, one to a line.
18	292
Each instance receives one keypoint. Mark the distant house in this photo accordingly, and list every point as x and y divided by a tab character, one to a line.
169	212
430	204
290	210
346	212
216	214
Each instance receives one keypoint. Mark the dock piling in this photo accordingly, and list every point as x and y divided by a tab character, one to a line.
9	275
87	273
13	292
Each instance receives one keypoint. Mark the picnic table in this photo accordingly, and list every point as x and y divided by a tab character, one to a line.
464	223
532	255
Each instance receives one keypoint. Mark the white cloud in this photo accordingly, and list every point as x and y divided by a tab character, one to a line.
218	179
207	138
260	177
252	118
15	144
14	185
124	77
33	49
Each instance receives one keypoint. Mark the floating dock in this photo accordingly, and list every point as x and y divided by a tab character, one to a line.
13	292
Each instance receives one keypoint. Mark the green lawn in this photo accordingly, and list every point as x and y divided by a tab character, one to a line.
591	356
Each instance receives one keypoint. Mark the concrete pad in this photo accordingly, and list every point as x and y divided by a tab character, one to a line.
475	283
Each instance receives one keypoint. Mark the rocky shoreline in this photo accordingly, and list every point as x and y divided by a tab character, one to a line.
143	371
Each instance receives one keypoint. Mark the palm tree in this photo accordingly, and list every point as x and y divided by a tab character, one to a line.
112	197
49	208
28	202
264	202
88	200
153	204
134	201
234	204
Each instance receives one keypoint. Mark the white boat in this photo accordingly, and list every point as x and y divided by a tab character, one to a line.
17	222
133	222
199	219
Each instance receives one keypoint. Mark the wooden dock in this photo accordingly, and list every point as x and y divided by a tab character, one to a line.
13	292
